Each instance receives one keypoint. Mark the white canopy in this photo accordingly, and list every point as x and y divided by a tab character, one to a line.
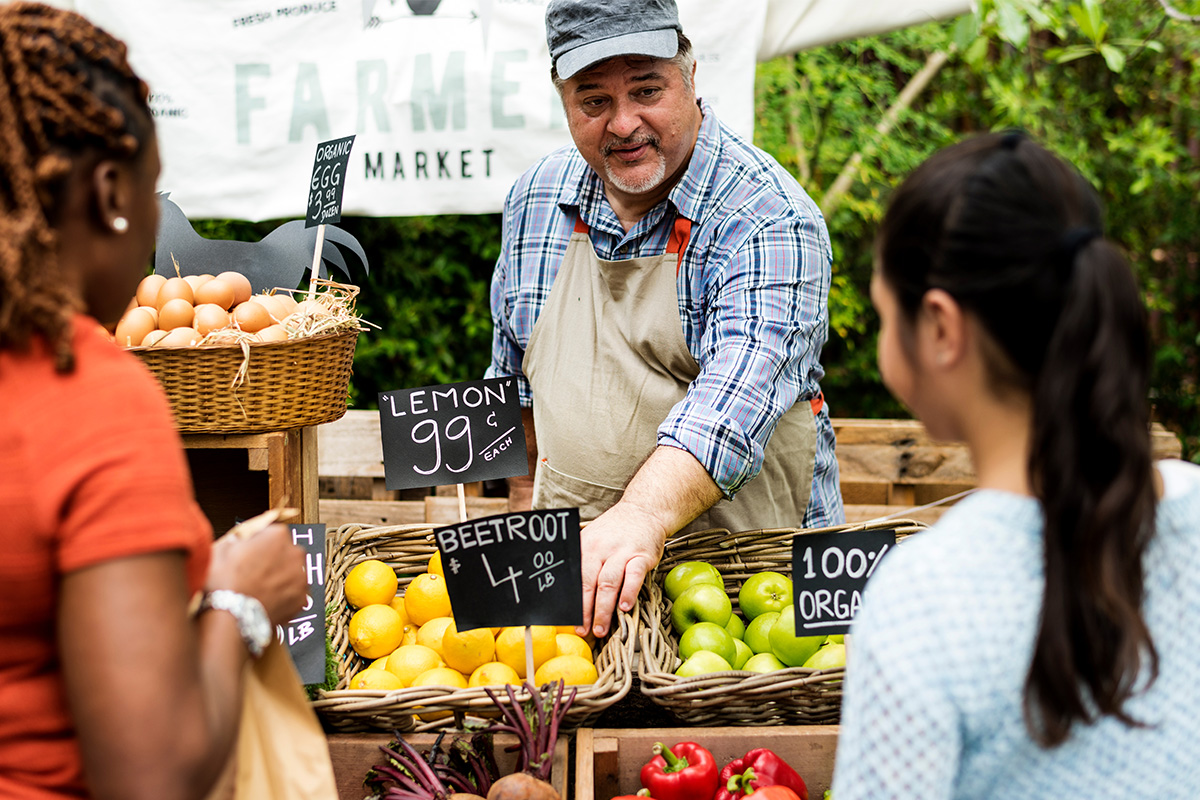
449	100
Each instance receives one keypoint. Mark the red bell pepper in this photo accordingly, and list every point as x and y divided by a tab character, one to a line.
756	770
684	772
773	793
642	795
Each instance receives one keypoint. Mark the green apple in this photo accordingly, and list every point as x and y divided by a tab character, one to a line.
763	592
701	663
789	648
836	638
763	662
735	626
759	631
828	656
744	654
702	602
688	574
707	636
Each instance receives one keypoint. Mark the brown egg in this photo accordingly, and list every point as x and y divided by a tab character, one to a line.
210	317
196	281
251	317
153	337
173	289
288	301
240	283
273	333
274	305
311	308
217	291
180	337
152	311
177	313
133	327
147	291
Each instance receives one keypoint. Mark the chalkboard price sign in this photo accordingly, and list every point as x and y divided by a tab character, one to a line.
304	635
452	433
514	569
829	572
328	182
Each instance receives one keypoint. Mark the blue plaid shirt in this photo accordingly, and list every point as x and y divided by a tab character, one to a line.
753	288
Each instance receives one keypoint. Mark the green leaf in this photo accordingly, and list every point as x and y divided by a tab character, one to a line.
1061	55
1113	56
966	31
1014	28
1084	20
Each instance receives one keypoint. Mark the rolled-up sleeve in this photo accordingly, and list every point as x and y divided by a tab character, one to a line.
763	322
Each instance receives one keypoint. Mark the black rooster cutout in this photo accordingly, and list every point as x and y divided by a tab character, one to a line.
282	259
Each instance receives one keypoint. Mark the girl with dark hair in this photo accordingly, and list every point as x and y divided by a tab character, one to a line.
107	690
1042	640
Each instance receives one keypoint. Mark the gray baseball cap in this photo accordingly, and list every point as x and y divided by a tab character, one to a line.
583	32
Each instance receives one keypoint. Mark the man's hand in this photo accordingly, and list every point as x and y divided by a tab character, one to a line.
623	544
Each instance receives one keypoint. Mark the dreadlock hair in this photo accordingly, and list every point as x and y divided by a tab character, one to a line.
1015	235
66	93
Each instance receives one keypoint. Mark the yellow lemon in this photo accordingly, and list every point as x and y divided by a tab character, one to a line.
435	564
467	650
378	663
375	630
410	634
571	645
426	598
494	673
510	647
573	670
370	678
430	634
369	583
411	660
439	676
397	603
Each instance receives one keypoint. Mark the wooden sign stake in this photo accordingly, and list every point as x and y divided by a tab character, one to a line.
316	265
529	654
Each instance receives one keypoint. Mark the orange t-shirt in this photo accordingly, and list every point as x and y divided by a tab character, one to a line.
91	469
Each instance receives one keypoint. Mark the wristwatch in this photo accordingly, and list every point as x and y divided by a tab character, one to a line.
253	623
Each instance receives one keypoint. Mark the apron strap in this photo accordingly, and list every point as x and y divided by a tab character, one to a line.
681	232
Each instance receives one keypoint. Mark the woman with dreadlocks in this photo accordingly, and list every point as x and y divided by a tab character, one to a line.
1042	640
107	690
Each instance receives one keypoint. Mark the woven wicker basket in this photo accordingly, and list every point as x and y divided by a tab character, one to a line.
792	696
407	549
288	384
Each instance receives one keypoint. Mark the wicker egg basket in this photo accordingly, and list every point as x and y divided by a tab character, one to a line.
792	696
407	549
258	387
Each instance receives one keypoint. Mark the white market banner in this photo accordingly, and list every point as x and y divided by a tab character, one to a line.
449	100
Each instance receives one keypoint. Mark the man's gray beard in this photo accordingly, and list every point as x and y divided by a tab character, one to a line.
640	187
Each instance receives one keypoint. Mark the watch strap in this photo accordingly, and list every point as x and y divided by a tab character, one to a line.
252	621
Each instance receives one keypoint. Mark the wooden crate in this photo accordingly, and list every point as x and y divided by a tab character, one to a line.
237	476
608	761
353	754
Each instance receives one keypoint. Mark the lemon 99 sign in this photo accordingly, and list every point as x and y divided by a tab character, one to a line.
829	572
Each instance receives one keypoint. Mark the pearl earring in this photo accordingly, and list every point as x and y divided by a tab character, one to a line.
120	224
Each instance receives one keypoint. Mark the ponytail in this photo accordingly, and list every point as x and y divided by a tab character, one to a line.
1002	224
1091	467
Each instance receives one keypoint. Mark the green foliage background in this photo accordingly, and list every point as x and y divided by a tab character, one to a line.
1112	86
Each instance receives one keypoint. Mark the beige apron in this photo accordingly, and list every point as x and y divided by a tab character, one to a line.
607	360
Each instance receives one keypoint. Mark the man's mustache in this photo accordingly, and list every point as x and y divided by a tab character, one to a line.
630	143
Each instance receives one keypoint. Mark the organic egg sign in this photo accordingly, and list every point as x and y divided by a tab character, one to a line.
829	572
328	182
452	433
514	569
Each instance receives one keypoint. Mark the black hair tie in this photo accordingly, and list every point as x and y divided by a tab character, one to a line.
1070	244
1011	139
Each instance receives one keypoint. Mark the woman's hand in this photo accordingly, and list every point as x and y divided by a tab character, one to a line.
267	566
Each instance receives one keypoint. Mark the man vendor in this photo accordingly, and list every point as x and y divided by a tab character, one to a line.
661	297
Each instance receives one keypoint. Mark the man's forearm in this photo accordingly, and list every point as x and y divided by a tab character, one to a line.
671	487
